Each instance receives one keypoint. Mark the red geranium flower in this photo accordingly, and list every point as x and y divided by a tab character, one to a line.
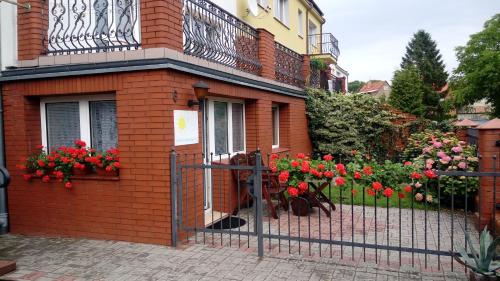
328	157
340	167
80	143
354	192
321	167
46	179
303	186
27	177
117	164
274	169
283	177
301	156
41	163
292	191
377	186
329	174
109	169
388	192
68	185
39	147
357	175
354	152
305	167
415	175
274	156
39	173
401	195
370	192
407	188
295	163
430	174
407	163
52	164
340	181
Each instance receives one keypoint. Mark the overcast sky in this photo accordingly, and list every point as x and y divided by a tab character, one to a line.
373	34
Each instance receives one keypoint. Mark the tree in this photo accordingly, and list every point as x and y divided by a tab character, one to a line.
422	54
355	86
478	73
408	91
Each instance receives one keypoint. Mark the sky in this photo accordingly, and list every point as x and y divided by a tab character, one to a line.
373	34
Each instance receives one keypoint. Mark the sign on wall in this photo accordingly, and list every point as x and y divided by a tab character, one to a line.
185	127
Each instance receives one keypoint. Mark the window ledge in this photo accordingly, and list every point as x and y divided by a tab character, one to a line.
280	150
89	178
282	23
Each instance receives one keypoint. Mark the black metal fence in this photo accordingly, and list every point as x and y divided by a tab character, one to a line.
214	34
288	66
242	212
324	43
82	26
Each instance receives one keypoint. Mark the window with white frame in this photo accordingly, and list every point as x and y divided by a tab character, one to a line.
281	10
226	127
276	126
263	3
300	17
91	119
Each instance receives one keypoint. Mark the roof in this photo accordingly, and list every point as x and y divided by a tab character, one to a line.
465	123
316	7
492	124
373	86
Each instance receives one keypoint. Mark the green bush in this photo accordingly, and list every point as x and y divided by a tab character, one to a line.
339	124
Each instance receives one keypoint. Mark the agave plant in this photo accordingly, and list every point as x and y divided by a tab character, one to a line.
484	262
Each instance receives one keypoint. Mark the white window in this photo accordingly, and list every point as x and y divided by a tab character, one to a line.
281	11
300	25
91	119
263	3
226	127
276	126
313	39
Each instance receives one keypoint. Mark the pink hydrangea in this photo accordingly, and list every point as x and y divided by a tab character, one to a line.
427	149
462	165
446	141
457	158
437	144
441	154
445	160
457	149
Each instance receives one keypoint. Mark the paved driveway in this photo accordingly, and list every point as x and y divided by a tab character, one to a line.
80	259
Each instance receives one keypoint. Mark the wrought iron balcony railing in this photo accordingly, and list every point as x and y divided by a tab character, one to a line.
81	26
324	43
288	66
213	34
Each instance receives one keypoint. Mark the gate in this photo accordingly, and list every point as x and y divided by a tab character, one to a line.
421	234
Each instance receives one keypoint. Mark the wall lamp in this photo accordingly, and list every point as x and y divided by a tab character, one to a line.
200	91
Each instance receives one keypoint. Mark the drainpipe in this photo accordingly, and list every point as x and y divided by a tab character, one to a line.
4	217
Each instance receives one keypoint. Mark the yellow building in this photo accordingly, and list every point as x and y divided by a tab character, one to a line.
296	24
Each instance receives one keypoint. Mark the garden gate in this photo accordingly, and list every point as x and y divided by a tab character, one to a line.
420	234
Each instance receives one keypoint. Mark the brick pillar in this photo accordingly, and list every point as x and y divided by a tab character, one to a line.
306	68
32	30
267	54
161	24
489	135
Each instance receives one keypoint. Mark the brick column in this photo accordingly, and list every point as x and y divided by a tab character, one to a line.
489	135
32	30
306	68
267	54
161	24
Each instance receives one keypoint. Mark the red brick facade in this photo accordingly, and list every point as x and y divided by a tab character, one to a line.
136	206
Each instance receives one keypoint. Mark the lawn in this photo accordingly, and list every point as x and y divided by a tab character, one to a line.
357	199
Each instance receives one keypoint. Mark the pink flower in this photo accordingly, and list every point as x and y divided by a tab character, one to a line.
419	197
457	158
418	185
441	154
427	149
462	165
437	144
457	149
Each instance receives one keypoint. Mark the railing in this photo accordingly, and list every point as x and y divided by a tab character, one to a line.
82	26
324	43
288	66
213	34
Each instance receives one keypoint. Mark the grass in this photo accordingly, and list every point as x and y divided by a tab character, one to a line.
406	202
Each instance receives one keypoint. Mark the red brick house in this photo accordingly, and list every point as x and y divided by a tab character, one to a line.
118	85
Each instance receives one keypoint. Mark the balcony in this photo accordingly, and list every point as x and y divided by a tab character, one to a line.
324	45
92	26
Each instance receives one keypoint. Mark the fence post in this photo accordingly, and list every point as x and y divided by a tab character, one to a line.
258	205
173	194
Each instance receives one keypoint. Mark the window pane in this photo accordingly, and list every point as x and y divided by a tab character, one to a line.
275	126
63	124
220	128
238	128
103	129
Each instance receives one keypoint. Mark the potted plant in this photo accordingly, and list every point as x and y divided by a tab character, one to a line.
107	163
78	154
482	264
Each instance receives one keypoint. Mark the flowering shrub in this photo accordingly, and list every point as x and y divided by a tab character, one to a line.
443	151
60	164
377	179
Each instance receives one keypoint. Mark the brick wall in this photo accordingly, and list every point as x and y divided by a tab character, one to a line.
137	206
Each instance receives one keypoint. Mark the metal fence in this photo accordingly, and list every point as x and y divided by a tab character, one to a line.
83	26
288	66
324	43
419	234
214	34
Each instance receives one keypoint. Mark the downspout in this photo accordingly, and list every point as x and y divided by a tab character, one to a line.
4	218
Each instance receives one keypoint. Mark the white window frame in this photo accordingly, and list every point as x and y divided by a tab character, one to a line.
281	9
276	119
84	110
300	26
211	131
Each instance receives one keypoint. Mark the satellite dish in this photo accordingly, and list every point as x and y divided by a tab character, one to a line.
253	8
